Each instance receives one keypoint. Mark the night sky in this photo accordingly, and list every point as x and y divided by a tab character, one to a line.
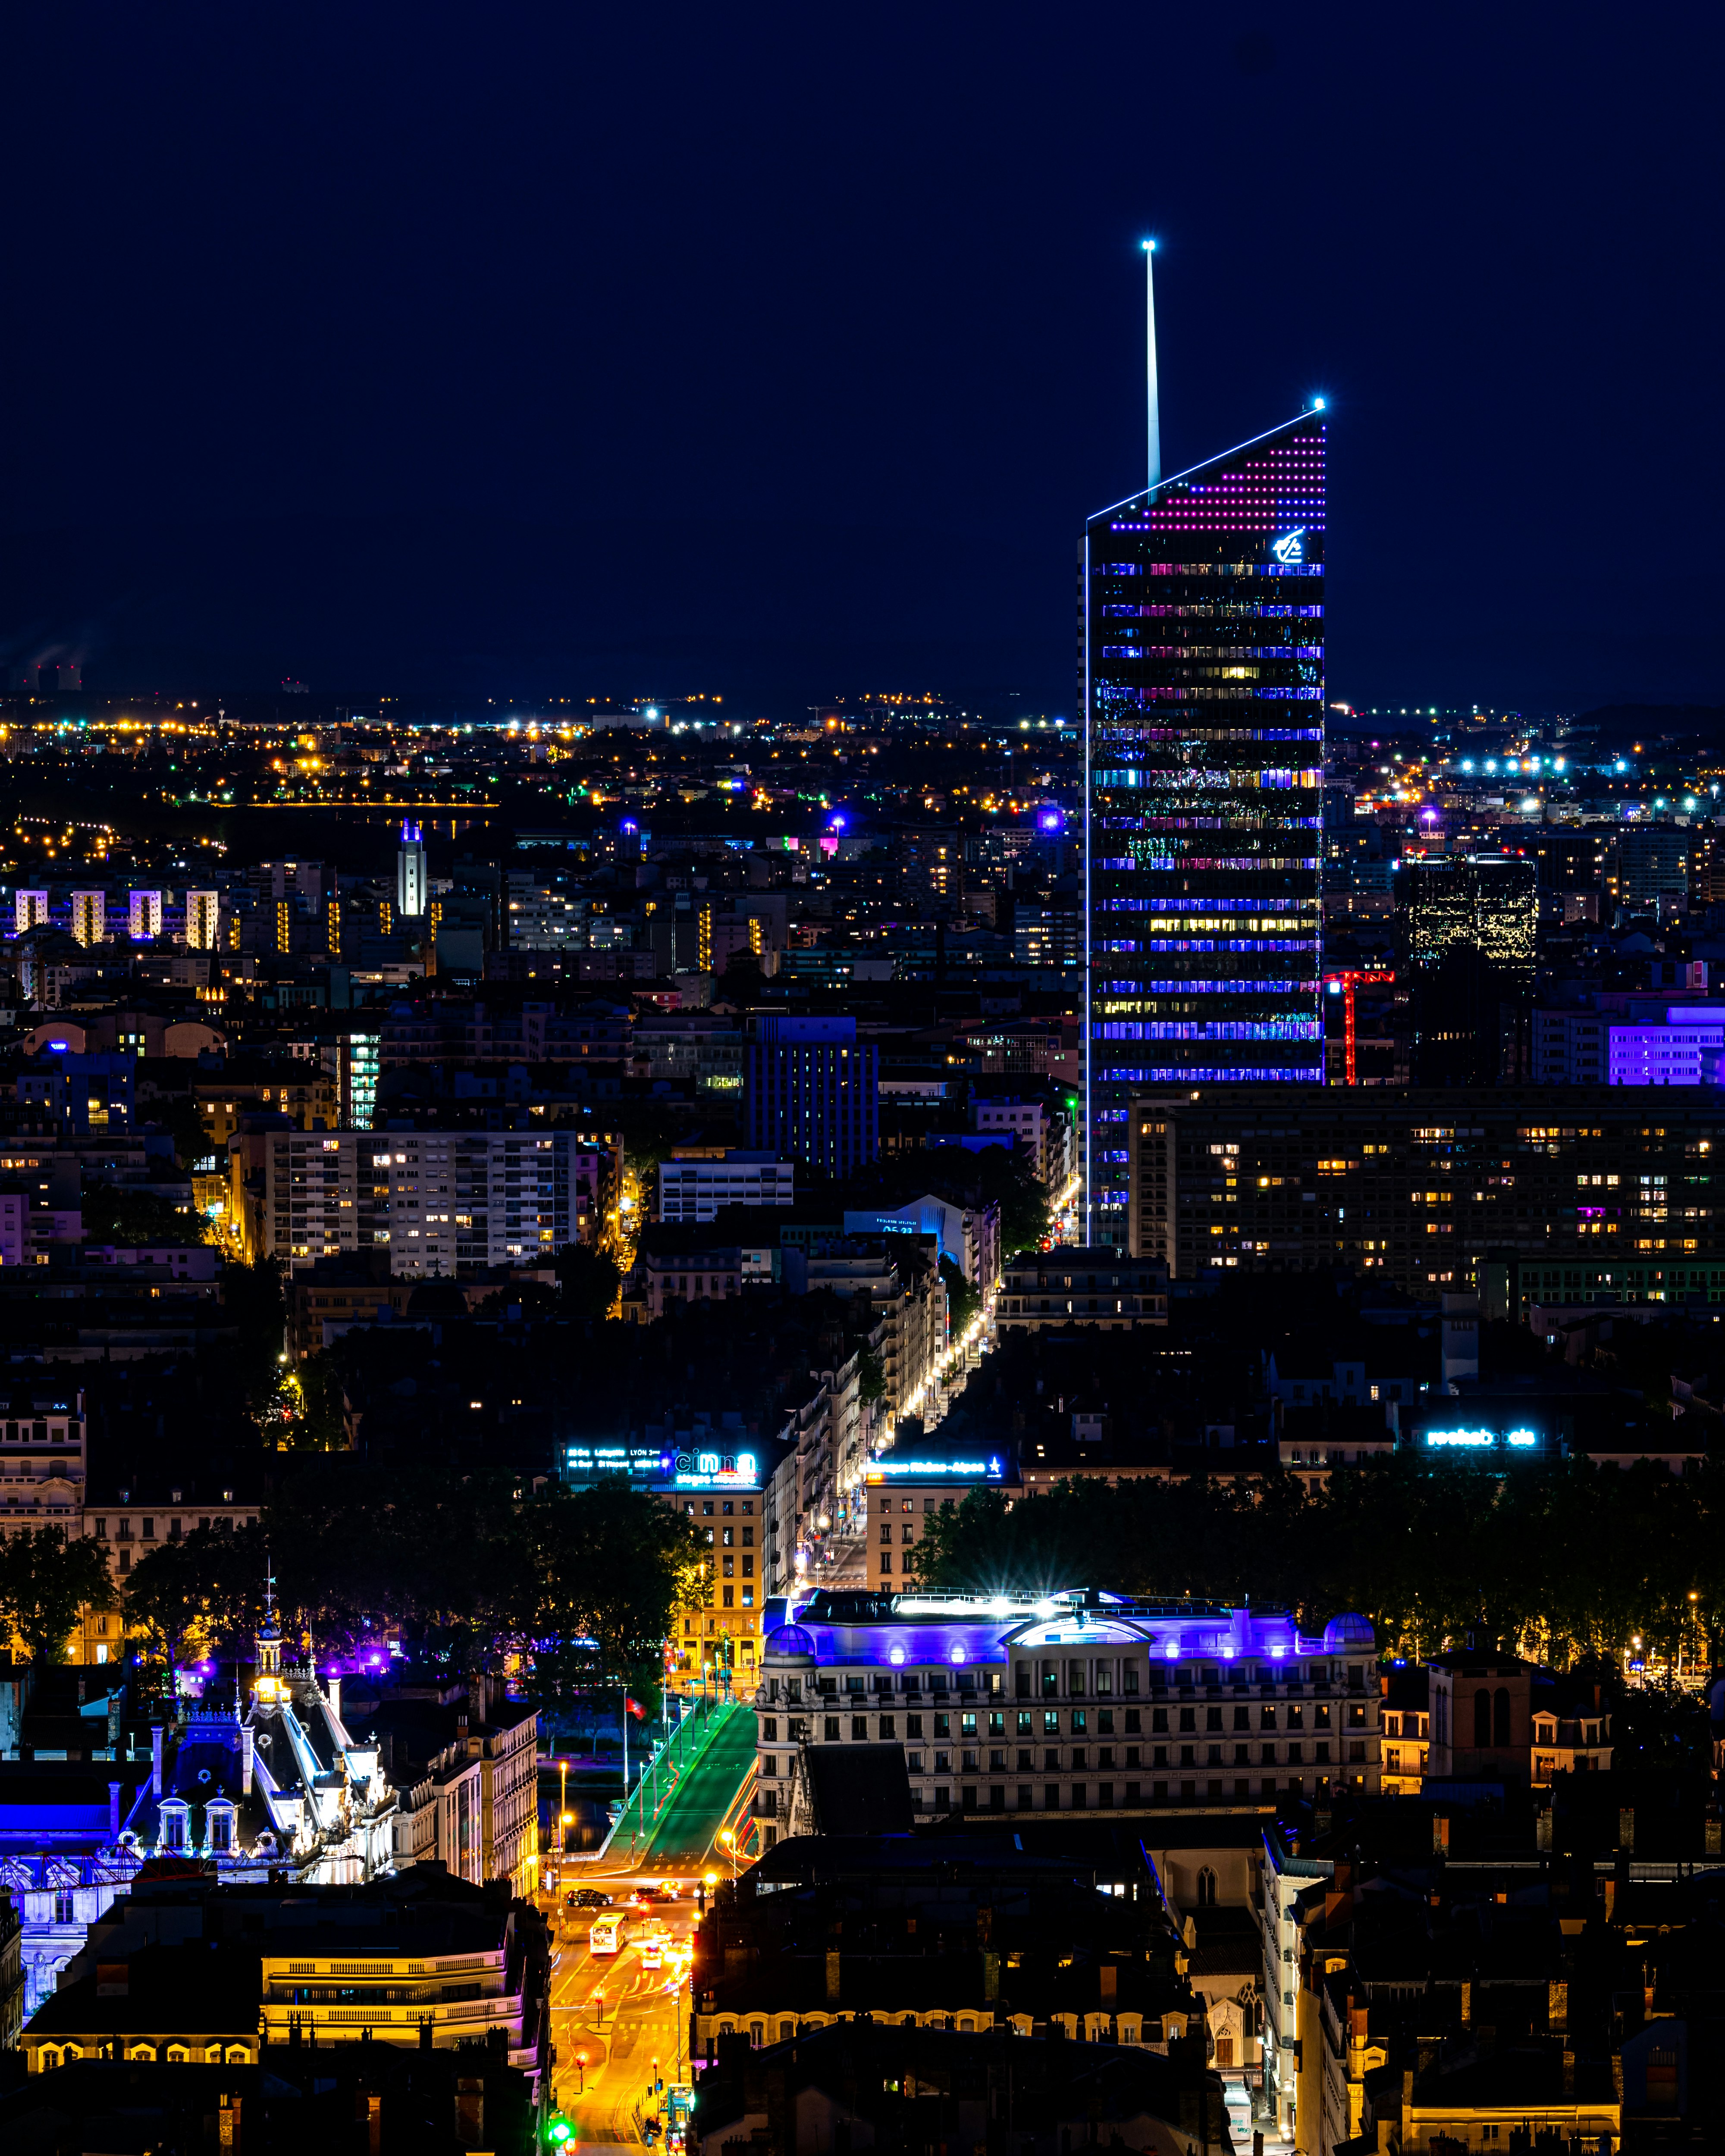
533	350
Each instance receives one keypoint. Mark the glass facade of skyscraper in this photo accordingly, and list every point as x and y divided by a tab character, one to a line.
1202	627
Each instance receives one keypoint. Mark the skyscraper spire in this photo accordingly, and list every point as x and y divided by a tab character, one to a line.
1155	412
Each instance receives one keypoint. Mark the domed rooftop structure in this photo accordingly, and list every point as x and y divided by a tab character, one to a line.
1348	1631
790	1639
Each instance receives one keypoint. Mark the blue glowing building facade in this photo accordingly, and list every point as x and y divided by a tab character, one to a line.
1202	605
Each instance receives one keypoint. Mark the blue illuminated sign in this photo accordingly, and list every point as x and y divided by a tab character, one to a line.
991	1469
640	1462
1291	546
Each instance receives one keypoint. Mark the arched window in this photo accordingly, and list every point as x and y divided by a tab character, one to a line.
238	2055
1481	1718
142	2051
757	2034
1206	1888
179	2055
1500	1715
48	2058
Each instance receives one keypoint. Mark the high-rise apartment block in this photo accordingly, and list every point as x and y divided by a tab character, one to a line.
89	916
1201	602
811	1091
203	915
143	915
437	1200
29	910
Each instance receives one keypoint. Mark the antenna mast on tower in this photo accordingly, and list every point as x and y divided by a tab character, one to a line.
1154	409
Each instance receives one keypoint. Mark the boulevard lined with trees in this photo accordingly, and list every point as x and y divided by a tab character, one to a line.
1570	1561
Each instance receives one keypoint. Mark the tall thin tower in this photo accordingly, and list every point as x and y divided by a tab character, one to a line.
1155	407
1204	672
412	888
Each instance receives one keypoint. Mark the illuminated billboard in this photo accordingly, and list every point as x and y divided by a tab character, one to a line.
640	1463
1463	1438
713	1470
992	1468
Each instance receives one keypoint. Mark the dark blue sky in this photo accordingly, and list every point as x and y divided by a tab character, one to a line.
556	348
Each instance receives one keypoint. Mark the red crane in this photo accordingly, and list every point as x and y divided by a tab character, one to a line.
1349	980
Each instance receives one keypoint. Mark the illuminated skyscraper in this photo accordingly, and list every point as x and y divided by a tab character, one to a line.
1202	604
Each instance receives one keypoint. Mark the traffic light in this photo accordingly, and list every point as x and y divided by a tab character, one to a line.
559	2133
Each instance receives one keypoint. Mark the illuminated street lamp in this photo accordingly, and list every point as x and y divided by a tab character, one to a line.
729	1840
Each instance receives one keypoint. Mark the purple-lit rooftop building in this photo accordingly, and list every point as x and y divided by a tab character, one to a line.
1078	1701
1202	606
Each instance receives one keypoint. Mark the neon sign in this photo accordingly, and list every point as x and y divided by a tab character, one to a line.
727	1471
1482	1440
991	1469
642	1462
1291	547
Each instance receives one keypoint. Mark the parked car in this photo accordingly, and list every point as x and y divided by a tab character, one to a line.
588	1897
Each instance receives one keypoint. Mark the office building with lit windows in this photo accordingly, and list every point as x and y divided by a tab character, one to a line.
1084	1701
1202	612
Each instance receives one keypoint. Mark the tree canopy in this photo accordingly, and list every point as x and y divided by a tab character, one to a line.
583	1585
45	1581
1567	1561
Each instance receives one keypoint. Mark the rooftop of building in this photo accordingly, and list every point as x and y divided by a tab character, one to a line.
192	1988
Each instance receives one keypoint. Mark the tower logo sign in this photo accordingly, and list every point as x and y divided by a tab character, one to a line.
1290	547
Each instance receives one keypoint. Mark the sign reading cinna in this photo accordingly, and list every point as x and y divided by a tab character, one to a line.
721	1471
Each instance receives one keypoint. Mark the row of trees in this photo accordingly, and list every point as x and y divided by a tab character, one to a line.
1568	1562
584	1585
45	1582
